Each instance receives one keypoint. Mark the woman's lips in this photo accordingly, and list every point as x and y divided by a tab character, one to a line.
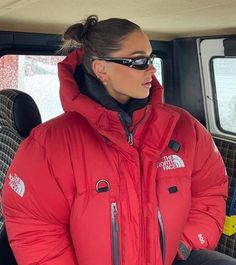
147	84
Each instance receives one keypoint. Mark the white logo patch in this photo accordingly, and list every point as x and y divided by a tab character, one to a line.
17	184
201	239
171	162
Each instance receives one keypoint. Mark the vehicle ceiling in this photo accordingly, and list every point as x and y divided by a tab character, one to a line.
161	19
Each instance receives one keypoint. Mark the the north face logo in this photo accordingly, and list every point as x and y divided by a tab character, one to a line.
171	162
201	239
17	185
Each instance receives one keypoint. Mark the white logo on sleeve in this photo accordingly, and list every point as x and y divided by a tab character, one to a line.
17	184
201	239
171	162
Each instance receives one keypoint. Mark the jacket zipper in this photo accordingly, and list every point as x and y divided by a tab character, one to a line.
130	135
130	138
163	237
115	234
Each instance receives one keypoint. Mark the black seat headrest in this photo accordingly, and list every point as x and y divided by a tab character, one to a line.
18	111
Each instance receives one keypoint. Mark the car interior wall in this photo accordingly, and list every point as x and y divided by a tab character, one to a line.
182	83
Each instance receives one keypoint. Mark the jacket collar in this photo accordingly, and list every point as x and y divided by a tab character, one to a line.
94	89
73	100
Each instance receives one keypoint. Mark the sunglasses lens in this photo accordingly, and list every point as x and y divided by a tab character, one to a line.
142	63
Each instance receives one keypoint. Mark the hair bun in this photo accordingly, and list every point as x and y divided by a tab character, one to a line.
74	32
90	22
77	34
79	31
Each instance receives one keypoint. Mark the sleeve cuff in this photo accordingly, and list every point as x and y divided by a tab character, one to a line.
183	251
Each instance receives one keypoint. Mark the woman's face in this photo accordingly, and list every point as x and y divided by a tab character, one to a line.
123	82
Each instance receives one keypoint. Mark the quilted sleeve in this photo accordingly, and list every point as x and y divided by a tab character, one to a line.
209	192
35	210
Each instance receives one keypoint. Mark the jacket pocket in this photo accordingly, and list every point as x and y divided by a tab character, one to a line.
115	233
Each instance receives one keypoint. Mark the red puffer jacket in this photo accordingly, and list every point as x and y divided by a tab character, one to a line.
78	193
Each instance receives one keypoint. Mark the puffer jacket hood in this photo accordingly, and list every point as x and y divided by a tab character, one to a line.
73	100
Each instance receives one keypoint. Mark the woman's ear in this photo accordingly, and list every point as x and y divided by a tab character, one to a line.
99	69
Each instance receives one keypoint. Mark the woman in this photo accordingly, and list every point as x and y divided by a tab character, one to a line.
121	177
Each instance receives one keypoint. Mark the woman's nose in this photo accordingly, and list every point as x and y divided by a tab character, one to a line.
151	69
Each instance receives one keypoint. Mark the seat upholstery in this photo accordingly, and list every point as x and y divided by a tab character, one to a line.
18	115
227	244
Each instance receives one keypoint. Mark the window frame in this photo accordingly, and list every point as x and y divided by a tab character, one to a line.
214	95
208	49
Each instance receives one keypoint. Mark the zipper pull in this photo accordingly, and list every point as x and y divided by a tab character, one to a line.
115	215
129	135
131	139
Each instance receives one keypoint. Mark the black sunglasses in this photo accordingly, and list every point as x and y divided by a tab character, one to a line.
138	63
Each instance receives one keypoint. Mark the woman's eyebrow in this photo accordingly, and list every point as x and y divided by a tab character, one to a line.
139	53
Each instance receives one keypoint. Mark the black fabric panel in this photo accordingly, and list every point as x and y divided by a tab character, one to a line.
29	43
25	114
230	46
227	244
188	88
6	254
